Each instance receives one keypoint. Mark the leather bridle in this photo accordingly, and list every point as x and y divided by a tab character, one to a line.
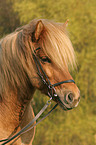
51	93
51	90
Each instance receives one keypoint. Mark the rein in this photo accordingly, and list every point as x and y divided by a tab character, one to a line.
26	128
51	93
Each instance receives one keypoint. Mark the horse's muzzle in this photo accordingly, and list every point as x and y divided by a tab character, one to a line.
69	101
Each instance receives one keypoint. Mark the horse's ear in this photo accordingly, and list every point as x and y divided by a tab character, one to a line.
38	30
66	23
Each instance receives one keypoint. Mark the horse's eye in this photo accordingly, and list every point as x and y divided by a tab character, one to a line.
45	59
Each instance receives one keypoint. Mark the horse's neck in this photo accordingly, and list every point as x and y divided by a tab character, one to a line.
12	112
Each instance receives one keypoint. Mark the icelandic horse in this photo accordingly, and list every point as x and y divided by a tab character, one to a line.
19	78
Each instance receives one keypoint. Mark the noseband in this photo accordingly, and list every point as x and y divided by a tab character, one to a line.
51	93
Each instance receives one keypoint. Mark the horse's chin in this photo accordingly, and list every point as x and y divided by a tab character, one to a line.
62	104
65	108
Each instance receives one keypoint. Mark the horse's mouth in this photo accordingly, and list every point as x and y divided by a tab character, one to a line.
64	105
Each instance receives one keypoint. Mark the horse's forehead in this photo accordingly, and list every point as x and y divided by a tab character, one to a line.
38	48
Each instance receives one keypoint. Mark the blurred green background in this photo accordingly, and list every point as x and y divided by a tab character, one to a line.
76	127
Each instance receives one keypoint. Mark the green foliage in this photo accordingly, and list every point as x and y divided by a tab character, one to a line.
87	75
76	127
8	18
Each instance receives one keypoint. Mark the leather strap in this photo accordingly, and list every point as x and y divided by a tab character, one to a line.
67	81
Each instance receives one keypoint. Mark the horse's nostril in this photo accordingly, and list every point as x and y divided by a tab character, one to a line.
69	98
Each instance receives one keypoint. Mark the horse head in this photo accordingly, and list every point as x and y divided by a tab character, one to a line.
54	55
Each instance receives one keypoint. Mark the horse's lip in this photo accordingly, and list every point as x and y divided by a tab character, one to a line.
61	104
65	108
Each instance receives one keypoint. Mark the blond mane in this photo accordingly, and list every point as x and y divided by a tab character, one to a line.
58	45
